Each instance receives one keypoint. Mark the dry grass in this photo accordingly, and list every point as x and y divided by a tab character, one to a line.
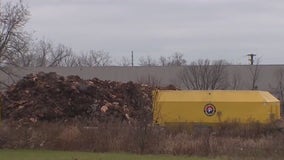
230	139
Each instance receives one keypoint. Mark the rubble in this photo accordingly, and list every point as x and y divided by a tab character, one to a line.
51	97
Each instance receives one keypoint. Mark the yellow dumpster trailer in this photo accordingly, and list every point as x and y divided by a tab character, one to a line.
170	107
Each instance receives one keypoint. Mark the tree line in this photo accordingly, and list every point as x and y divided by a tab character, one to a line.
18	48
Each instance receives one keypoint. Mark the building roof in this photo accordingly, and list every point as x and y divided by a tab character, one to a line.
215	96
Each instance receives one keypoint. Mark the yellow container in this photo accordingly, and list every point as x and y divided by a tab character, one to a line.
214	106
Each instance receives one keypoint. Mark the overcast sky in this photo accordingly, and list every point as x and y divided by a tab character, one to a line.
213	29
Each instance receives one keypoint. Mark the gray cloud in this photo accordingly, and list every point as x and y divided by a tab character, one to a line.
198	28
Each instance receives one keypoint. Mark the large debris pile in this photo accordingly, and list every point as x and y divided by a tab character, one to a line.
50	97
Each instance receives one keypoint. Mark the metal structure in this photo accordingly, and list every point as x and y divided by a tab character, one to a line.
214	106
251	59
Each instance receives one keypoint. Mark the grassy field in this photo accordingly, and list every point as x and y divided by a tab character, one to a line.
61	155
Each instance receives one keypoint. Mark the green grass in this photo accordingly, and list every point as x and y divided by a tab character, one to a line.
61	155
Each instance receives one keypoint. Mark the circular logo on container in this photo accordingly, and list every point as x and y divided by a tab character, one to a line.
209	109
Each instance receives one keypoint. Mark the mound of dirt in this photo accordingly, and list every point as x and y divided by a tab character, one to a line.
51	97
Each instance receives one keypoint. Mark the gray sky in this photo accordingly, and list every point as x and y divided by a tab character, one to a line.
213	29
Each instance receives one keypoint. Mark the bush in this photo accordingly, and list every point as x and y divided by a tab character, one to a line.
228	139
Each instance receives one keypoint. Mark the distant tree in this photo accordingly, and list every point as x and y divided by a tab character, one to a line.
278	88
24	58
163	61
42	49
70	61
125	61
13	38
58	55
205	75
254	71
175	59
235	81
44	54
147	61
94	58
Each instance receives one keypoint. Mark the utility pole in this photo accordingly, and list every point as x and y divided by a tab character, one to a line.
251	58
132	59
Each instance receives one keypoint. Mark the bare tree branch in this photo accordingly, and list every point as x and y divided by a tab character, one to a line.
58	55
163	61
13	17
125	61
278	87
44	54
236	78
70	61
202	75
254	74
175	59
94	58
147	61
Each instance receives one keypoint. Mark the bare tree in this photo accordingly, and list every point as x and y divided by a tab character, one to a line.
174	60
150	80
204	75
101	58
94	58
70	61
163	61
44	54
125	61
24	58
278	90
147	61
13	17
235	81
58	55
219	76
42	49
254	74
